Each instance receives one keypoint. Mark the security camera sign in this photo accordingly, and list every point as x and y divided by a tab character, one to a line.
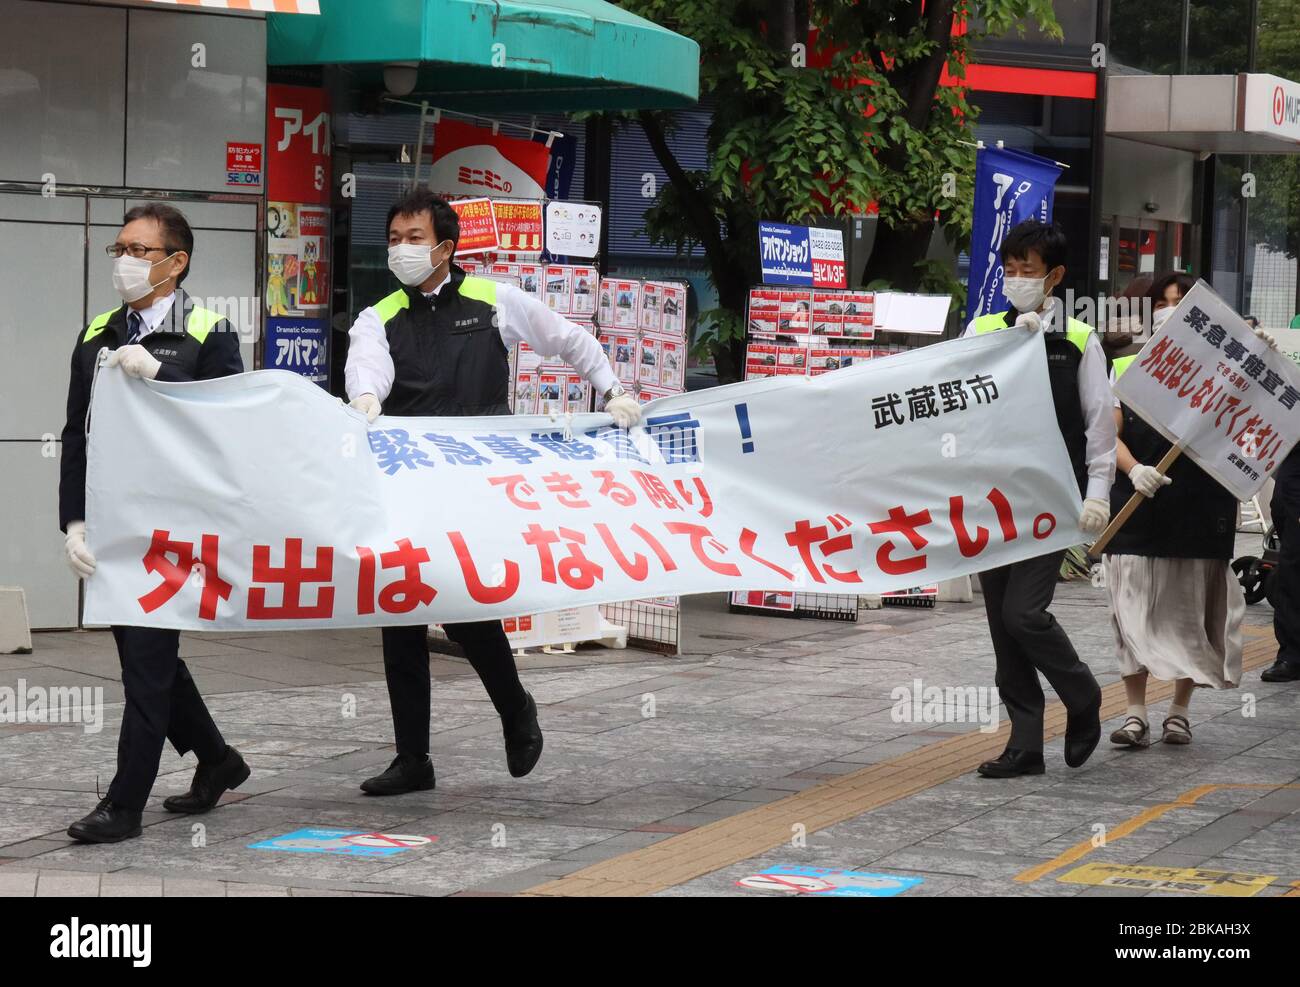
243	164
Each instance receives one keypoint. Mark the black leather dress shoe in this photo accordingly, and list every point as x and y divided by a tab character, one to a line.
1082	733
1281	671
407	773
210	782
523	739
109	823
1013	763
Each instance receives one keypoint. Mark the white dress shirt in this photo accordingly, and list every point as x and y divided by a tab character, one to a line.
1097	402
521	318
152	317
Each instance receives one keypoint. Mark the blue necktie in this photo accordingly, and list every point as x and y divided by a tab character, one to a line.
134	324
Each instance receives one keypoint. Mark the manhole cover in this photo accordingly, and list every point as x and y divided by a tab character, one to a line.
726	637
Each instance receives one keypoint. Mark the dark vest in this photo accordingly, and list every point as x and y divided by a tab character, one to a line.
1192	518
1064	353
448	357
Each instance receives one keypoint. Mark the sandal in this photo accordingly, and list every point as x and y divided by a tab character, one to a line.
1176	730
1134	733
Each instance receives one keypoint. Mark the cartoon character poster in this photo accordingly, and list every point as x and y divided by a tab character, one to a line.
297	290
297	261
281	258
313	265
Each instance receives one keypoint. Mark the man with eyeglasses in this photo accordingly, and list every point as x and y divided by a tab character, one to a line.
159	333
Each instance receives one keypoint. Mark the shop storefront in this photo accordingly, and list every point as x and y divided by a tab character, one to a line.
1191	157
1202	148
473	100
108	104
390	73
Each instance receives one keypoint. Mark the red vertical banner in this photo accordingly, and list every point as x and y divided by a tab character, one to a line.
296	292
298	144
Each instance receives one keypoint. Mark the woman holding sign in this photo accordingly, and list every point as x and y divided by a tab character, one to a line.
1176	604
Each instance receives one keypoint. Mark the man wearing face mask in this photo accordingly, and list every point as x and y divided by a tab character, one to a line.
1026	637
157	334
439	346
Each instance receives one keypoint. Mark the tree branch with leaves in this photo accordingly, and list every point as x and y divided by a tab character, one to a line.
858	122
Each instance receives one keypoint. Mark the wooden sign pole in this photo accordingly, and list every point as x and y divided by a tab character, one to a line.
1118	520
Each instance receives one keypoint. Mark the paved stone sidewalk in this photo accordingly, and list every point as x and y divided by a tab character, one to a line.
787	709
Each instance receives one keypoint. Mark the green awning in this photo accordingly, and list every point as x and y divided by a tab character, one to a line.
477	55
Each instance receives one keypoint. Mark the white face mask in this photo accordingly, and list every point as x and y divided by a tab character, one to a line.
131	277
1026	294
411	263
1160	316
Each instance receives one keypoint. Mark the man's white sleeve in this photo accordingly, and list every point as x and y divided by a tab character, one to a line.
969	330
1097	401
370	366
526	320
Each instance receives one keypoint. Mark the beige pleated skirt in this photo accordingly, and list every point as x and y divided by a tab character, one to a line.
1176	618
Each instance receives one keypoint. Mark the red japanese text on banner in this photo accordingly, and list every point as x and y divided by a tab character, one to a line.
1207	382
258	501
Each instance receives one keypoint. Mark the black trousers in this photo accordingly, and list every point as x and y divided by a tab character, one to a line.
162	703
1284	584
1028	640
406	667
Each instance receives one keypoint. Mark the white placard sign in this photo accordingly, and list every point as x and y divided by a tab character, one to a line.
1209	384
572	229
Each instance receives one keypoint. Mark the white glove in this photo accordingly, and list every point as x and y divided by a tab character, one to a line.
135	361
1267	337
625	411
1030	320
75	552
368	405
1095	516
1147	480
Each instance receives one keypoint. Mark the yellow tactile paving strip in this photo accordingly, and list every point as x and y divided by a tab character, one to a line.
1129	826
706	849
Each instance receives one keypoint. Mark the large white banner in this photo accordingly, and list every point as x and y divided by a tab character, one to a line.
258	501
1208	383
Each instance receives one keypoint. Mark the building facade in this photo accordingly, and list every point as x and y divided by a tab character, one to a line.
103	107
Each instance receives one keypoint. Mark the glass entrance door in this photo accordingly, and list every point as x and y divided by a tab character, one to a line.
1144	248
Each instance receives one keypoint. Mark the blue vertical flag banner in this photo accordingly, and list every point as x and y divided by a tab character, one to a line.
1010	187
559	174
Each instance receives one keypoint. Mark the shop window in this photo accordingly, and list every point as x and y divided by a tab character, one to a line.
1218	37
1146	35
1276	50
1078	20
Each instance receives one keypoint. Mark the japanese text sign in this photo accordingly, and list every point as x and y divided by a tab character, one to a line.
478	226
243	164
258	501
519	225
801	255
298	144
1209	384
